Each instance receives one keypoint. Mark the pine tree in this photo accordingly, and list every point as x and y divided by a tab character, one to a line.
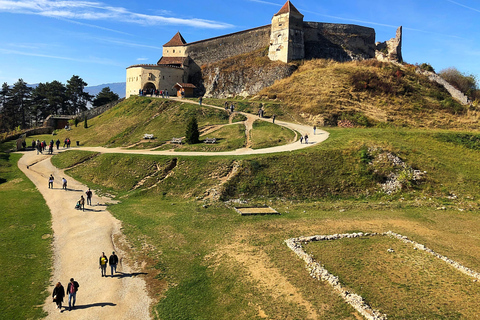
105	96
192	134
76	95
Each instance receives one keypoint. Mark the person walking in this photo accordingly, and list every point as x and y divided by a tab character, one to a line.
314	130
57	143
273	118
103	264
72	289
200	101
301	139
306	138
64	183
39	148
50	181
113	261
81	202
89	196
58	295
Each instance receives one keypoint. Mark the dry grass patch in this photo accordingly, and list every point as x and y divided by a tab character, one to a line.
405	283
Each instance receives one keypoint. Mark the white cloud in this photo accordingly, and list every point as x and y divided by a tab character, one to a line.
95	11
462	5
266	2
85	60
142	59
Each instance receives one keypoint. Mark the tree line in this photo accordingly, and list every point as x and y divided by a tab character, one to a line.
24	107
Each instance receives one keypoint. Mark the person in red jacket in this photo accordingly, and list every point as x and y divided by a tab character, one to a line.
72	289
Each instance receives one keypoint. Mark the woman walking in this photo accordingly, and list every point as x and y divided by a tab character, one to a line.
58	295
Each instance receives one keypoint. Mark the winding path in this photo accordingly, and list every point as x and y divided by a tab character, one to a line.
320	136
81	236
79	239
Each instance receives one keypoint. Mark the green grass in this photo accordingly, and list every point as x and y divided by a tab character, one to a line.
265	134
228	138
25	240
202	257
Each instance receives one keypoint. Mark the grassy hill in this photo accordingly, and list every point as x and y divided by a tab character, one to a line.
395	171
369	93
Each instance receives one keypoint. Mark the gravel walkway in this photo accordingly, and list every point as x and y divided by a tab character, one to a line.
79	239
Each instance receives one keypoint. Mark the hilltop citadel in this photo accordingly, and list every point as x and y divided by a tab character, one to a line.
287	38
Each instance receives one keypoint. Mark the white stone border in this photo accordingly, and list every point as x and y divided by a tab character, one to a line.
356	301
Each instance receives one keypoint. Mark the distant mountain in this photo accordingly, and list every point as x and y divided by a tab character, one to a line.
117	87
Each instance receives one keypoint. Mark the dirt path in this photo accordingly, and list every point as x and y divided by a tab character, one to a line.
79	239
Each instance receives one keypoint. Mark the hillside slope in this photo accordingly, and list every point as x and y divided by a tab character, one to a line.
368	93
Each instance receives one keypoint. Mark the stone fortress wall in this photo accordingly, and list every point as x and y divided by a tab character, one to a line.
286	39
227	46
341	42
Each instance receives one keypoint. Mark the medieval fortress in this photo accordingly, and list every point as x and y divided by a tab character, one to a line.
288	38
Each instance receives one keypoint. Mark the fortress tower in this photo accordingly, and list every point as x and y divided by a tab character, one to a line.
287	35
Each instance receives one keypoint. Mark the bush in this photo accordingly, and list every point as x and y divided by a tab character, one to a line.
426	67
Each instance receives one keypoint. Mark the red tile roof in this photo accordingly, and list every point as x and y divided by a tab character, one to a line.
184	85
287	8
171	60
176	41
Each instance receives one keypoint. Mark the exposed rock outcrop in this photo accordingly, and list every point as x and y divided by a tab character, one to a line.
221	83
390	50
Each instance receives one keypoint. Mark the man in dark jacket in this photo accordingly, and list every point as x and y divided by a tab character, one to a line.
72	289
113	261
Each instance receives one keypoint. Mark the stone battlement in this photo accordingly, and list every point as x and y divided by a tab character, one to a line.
287	38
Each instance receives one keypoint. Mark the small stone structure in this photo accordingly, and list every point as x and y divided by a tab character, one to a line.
318	272
252	211
287	38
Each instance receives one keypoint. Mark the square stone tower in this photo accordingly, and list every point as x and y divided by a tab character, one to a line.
287	36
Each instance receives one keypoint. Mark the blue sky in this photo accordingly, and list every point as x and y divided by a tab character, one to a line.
45	40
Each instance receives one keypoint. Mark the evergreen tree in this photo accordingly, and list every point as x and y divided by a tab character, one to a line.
21	102
57	98
85	125
77	98
105	96
6	113
192	134
40	104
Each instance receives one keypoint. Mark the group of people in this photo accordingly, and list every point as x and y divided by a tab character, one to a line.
232	106
304	138
81	202
112	261
59	293
41	146
153	92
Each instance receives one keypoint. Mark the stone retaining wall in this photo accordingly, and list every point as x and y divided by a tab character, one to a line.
356	301
454	92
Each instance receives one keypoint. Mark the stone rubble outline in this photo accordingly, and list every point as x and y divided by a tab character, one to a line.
356	301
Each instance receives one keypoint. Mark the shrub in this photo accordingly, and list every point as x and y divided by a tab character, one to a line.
426	67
